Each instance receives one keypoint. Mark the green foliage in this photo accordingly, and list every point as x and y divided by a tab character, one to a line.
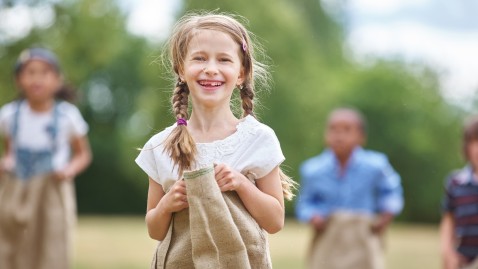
124	96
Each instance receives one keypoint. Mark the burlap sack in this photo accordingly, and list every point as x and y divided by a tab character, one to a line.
346	243
216	231
216	241
36	221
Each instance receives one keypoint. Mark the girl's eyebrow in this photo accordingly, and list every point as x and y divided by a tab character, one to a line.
193	52
196	52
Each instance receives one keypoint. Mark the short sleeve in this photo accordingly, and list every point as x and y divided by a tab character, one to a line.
78	125
146	160
265	152
6	116
447	205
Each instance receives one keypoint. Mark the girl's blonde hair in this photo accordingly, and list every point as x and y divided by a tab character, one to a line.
180	145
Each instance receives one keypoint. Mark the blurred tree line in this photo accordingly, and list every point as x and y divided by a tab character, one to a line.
124	95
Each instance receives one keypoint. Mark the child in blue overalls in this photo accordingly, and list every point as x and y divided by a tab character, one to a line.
45	147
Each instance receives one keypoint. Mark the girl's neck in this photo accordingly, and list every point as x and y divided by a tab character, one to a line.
206	122
41	106
208	127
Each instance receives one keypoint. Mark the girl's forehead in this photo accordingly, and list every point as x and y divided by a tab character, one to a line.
37	64
202	37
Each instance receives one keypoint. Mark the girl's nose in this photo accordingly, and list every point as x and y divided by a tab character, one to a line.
210	68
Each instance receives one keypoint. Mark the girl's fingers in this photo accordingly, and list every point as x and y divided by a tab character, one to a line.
220	169
227	187
180	187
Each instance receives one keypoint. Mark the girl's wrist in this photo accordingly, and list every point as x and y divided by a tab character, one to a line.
69	173
161	209
244	185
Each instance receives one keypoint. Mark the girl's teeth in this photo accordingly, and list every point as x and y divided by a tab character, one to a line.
211	84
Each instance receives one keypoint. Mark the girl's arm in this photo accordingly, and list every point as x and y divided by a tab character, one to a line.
81	158
161	206
265	200
447	241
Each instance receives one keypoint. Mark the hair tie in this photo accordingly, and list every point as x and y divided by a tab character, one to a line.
182	121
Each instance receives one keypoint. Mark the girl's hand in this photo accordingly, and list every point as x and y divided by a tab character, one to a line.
176	199
63	175
227	178
6	165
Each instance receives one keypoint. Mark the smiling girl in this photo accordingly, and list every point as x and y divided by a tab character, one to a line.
212	56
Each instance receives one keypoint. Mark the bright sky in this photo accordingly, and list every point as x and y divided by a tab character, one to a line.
151	18
440	33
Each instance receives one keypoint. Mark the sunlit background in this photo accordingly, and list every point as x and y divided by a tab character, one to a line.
440	33
409	65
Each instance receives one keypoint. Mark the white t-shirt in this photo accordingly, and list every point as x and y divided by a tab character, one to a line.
32	132
253	150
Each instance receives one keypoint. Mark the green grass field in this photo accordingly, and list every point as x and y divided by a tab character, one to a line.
123	243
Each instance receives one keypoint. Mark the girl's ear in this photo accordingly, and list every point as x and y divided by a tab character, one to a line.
181	76
241	77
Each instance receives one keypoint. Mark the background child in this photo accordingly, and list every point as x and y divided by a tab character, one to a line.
347	184
45	147
212	56
458	229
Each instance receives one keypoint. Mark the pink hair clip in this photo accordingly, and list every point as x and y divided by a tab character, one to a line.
244	45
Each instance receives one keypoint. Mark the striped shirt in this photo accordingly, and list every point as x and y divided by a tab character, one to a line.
461	200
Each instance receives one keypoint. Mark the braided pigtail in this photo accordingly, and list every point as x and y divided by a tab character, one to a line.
247	97
179	145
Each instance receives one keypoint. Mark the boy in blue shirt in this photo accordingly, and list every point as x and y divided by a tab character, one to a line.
346	179
459	223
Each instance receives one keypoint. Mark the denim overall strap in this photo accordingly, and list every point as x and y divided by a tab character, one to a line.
54	131
16	117
26	171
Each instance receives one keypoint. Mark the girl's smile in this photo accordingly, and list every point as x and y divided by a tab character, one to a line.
210	85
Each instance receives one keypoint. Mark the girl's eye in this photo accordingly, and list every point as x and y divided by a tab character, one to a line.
225	60
199	58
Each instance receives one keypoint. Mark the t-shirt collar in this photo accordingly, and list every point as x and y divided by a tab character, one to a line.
354	156
467	176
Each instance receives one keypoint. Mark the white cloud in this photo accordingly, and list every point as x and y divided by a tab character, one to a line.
152	18
447	44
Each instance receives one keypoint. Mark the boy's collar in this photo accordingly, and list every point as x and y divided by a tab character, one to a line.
467	175
354	155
